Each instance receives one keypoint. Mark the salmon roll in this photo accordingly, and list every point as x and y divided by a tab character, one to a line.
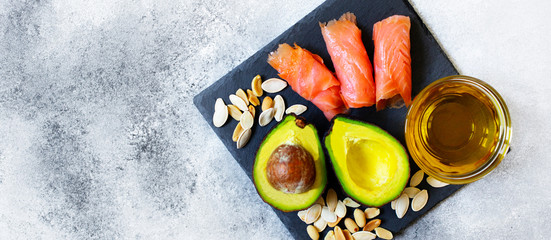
392	62
309	77
354	71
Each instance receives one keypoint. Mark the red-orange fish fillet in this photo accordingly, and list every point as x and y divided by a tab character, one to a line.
392	62
352	66
309	77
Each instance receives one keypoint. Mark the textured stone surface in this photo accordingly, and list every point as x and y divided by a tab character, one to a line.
99	138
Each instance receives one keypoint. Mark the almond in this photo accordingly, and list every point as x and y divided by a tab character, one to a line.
416	178
312	214
244	138
363	235
247	120
256	85
411	191
252	110
273	85
402	204
420	200
279	106
383	233
350	203
240	93
236	132
312	232
331	200
340	210
220	115
297	109
435	182
320	224
359	216
268	102
351	225
339	235
333	224
371	213
330	235
234	111
252	98
369	226
266	117
328	215
238	102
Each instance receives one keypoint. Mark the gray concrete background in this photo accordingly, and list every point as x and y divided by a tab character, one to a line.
99	138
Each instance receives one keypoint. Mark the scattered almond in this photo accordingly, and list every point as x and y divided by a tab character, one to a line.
328	215
383	233
331	200
372	212
240	93
279	106
402	204
369	226
296	109
220	115
266	117
273	85
252	98
351	225
320	201
244	138
416	178
247	120
256	85
363	235
350	203
313	213
339	235
302	215
435	182
333	224
420	200
312	232
268	102
252	110
347	234
234	111
359	216
411	191
238	102
340	210
330	235
236	132
320	224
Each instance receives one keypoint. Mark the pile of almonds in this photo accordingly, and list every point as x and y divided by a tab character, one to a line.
243	109
419	197
331	211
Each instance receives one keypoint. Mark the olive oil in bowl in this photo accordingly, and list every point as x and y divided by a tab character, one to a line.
458	129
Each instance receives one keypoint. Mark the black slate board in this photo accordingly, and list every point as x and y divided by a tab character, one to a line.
429	63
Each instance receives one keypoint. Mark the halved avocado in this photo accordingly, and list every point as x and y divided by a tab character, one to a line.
371	165
290	138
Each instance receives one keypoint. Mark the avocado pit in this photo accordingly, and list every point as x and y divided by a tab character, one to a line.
291	169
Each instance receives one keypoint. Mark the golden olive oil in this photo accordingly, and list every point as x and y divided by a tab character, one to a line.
457	129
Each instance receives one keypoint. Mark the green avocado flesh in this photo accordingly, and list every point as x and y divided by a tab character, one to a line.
371	165
291	131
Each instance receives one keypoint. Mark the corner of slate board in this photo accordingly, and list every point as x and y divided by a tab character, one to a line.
429	63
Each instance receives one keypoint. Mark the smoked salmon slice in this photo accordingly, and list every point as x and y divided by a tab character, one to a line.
392	62
352	66
309	77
